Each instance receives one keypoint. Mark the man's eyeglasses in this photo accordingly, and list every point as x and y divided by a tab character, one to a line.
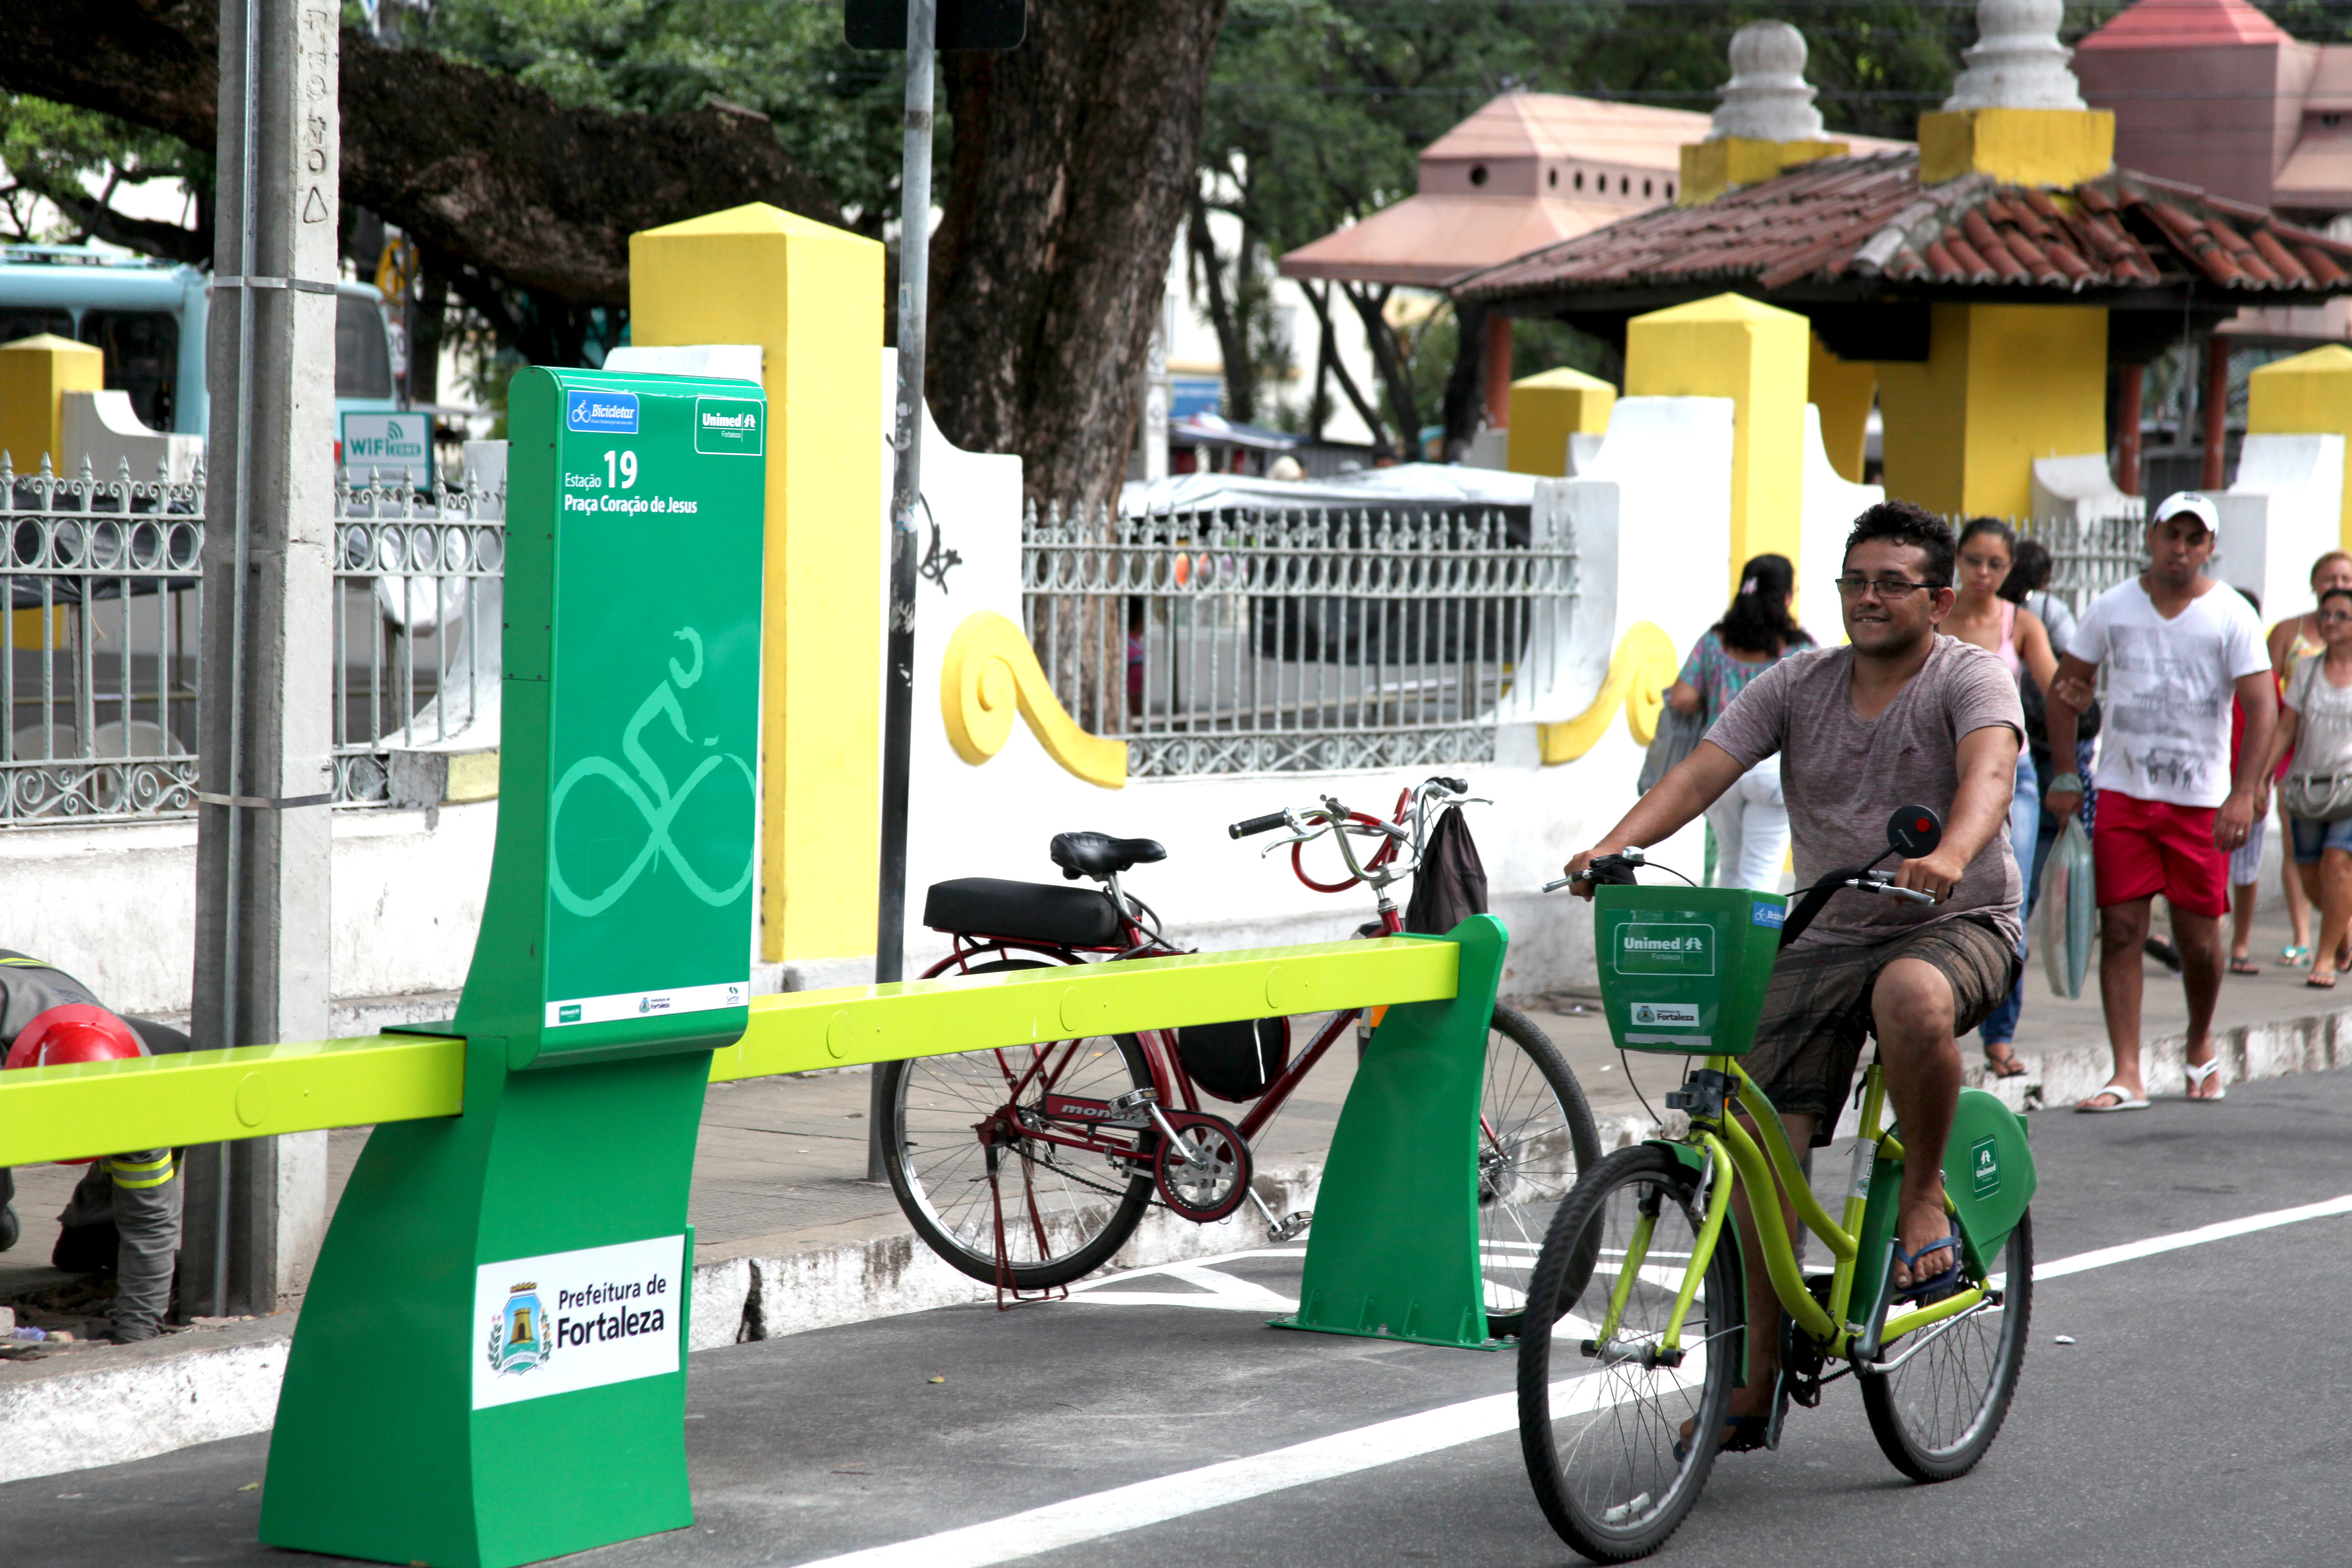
1888	588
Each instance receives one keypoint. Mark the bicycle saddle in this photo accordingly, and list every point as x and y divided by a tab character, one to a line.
1101	855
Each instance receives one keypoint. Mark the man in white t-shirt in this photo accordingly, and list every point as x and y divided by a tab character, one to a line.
2179	646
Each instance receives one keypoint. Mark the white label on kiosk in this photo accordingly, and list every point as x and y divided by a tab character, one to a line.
568	1321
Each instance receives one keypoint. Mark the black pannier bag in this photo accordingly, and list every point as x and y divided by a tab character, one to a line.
1234	1061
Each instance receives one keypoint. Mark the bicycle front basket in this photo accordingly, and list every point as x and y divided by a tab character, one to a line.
1684	969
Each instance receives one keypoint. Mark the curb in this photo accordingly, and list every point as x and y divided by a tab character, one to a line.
113	1414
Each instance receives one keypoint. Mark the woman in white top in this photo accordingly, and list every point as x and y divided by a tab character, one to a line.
2316	727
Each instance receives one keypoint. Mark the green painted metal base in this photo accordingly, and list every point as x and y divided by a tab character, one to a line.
384	1448
1395	1251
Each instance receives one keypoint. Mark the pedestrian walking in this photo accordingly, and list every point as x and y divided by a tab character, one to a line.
2316	729
2178	645
2290	642
1980	615
1751	819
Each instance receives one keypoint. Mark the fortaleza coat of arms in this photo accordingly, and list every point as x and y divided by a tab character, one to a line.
518	1336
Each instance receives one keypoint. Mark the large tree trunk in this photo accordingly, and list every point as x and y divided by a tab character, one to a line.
492	172
1073	158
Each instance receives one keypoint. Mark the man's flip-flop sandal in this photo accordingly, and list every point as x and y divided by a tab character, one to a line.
2124	1100
2005	1065
1935	1286
2197	1073
1740	1433
2244	966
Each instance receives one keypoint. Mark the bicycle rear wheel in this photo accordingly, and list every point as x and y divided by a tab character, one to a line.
1937	1413
1535	1136
1084	1206
1601	1438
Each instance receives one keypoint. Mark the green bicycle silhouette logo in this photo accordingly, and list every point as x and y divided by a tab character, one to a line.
652	798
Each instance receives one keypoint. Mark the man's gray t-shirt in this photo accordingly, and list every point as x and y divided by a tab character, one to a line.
1844	775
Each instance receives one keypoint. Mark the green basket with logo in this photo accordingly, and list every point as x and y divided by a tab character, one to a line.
1683	970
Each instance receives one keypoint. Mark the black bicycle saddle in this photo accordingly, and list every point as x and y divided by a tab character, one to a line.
1101	855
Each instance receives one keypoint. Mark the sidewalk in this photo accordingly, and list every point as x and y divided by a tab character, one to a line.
790	1235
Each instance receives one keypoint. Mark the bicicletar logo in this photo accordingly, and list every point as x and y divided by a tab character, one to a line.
1984	1167
519	1337
1659	947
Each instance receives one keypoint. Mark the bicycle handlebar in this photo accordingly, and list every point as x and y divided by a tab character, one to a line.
1256	824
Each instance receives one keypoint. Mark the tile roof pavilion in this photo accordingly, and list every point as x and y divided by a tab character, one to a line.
1841	239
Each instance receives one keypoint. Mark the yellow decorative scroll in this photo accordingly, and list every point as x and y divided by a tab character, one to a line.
1639	673
989	671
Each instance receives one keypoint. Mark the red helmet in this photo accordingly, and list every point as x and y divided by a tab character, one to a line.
76	1031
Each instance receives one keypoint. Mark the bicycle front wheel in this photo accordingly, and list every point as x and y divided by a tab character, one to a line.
1534	1138
1617	1451
1063	1210
1937	1413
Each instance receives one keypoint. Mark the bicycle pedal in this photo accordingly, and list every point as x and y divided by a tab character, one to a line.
1291	1227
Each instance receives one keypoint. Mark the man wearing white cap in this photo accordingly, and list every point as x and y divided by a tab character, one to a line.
2179	646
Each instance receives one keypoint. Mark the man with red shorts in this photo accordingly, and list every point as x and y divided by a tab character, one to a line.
2179	646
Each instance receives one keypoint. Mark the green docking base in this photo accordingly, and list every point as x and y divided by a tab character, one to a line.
1395	1251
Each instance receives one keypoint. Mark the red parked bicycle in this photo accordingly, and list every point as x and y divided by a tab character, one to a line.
1028	1167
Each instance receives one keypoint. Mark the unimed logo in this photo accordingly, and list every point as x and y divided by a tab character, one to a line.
728	427
1660	947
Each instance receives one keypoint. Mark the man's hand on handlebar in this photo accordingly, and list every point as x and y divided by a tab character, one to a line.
1935	875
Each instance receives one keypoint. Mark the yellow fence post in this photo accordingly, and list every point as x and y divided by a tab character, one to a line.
1546	410
2310	394
1756	355
35	373
811	297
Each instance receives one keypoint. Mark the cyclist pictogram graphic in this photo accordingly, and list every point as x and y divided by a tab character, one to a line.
660	807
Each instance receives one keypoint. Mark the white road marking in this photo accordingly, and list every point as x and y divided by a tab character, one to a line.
1122	1509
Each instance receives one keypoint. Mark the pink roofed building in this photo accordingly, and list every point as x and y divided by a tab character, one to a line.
1527	169
2213	93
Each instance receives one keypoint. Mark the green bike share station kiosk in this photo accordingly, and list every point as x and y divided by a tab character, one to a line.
490	1366
491	1362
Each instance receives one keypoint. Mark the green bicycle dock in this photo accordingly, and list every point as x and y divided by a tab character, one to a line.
489	1368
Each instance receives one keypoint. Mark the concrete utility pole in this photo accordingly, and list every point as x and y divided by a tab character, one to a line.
256	1209
906	494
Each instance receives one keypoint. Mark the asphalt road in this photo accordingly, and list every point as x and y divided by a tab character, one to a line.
2199	1418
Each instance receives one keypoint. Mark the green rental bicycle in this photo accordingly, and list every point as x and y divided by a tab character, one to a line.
1623	1405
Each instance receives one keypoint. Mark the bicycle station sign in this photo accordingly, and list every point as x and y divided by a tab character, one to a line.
530	1257
642	930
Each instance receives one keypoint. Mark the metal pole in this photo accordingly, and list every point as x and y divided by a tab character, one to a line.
906	493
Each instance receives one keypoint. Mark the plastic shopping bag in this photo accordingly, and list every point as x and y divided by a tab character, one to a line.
2069	913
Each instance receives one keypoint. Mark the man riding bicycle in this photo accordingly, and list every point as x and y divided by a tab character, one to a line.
1902	716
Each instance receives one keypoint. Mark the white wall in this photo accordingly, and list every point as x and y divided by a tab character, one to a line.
2283	513
115	905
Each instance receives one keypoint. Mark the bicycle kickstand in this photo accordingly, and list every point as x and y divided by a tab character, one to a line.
1005	1287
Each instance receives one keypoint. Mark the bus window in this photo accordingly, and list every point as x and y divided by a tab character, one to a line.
17	322
142	358
362	360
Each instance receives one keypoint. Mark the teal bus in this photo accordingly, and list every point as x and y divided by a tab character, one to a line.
147	317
